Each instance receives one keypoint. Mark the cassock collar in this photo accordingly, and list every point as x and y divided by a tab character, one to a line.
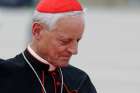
35	59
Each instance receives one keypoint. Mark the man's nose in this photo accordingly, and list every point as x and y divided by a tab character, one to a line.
73	48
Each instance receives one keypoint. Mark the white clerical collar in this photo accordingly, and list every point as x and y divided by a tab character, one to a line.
51	67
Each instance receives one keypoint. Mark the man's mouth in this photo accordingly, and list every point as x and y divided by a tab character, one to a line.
65	57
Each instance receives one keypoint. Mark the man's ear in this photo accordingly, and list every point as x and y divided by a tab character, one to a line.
36	30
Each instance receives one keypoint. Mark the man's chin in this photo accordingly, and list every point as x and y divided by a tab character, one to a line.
64	63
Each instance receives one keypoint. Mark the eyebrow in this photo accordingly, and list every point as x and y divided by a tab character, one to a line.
64	37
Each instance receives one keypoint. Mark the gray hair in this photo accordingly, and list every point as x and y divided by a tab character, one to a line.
50	19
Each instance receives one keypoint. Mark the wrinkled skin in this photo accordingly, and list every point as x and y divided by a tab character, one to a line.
58	45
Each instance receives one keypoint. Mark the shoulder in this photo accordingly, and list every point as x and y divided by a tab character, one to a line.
71	70
73	76
11	64
78	79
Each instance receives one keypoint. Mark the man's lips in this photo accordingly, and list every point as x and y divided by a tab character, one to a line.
65	57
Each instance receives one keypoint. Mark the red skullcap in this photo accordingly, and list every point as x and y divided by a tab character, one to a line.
58	6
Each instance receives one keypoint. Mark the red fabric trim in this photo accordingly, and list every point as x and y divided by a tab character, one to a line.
42	80
54	81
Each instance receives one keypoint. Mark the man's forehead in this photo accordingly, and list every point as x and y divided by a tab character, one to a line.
68	28
62	35
70	18
65	35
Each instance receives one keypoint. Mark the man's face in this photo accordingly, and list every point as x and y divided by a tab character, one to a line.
58	45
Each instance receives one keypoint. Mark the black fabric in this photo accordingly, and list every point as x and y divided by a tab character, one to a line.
35	63
17	77
16	3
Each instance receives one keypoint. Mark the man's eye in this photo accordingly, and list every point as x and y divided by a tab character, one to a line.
78	40
63	42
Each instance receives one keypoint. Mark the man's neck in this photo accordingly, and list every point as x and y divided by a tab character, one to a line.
34	54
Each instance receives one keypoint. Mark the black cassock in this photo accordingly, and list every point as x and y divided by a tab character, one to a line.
16	76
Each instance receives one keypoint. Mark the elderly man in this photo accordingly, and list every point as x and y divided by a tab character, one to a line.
44	67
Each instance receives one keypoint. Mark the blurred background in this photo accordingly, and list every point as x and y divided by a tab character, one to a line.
109	51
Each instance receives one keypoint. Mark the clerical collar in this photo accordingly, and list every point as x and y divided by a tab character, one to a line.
40	59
